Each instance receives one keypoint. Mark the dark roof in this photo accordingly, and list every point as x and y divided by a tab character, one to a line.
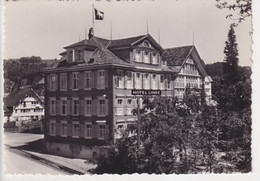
93	42
16	96
176	56
125	41
105	56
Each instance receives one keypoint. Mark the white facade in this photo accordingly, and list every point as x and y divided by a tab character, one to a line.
28	109
189	76
207	89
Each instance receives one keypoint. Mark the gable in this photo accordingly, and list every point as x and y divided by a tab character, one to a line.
181	56
176	56
148	42
199	62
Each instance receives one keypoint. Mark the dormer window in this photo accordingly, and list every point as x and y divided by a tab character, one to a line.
146	57
80	57
155	58
137	56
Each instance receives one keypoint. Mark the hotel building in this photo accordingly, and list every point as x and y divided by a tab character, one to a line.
88	98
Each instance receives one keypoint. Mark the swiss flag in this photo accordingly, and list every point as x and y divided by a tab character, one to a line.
99	15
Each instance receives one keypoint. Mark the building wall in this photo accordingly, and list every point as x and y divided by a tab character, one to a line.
28	110
73	130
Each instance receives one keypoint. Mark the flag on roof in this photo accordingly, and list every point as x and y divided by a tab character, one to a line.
99	15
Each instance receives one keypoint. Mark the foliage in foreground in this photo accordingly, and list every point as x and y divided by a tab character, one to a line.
180	138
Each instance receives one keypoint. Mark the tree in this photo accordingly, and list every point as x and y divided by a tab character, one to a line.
23	71
230	69
243	9
175	138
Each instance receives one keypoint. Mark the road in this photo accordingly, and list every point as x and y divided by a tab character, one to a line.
17	163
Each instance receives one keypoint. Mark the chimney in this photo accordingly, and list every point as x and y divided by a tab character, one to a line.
90	33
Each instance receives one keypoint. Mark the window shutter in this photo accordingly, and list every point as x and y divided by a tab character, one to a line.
96	79
58	107
56	83
69	129
70	80
134	53
66	82
57	128
83	80
94	107
80	80
107	132
94	131
97	107
82	130
106	107
91	131
48	111
48	82
82	107
68	107
92	80
106	78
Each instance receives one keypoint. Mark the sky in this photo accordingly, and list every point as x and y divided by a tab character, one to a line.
43	28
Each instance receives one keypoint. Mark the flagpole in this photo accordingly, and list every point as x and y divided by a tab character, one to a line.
111	31
93	18
147	26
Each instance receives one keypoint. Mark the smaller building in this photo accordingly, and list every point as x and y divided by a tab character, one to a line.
26	105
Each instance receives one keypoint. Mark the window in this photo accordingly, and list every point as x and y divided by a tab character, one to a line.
75	107
63	81
75	130
52	107
146	81
70	53
88	130
155	58
102	131
64	129
119	108
138	82
53	79
101	79
129	101
146	57
80	55
129	107
119	102
88	80
162	82
154	82
64	107
120	79
88	107
137	56
102	107
168	82
75	80
129	80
